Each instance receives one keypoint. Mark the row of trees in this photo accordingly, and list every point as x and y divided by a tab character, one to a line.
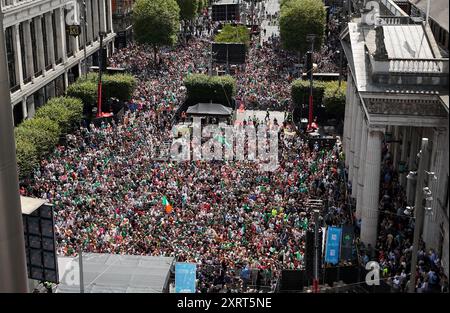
298	19
119	86
234	34
38	136
204	88
157	22
328	94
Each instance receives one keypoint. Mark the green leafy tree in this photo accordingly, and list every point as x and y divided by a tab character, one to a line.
42	132
120	86
204	88
156	23
188	9
63	110
326	93
283	2
27	156
86	91
201	5
234	34
298	18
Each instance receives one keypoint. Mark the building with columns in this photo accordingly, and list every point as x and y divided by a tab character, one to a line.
397	94
42	58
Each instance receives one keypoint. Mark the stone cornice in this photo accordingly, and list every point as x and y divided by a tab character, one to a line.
413	107
27	10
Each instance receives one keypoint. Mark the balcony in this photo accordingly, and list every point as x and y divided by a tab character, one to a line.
435	66
395	20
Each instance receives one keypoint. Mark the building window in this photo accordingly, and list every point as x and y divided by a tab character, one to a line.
39	98
26	75
59	86
95	36
37	71
108	17
44	39
11	59
18	114
58	58
68	39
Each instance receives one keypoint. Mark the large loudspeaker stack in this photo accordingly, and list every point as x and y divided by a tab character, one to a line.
309	256
292	280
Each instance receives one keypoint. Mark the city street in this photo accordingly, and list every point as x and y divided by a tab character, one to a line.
162	146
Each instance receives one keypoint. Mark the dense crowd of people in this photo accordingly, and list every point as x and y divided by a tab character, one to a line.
227	216
394	245
265	83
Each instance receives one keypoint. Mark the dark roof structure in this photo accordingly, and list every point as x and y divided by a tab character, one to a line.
209	109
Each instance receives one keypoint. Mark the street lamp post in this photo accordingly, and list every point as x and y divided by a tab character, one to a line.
316	205
100	72
311	38
13	268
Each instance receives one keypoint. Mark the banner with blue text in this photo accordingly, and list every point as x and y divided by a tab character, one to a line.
185	275
333	245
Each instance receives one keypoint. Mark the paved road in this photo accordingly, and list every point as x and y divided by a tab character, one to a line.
271	7
240	116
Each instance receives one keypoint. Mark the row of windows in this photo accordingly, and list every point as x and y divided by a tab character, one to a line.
28	36
53	89
11	2
43	28
440	34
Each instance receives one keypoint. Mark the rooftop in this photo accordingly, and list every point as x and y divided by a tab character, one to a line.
113	273
29	205
438	10
411	63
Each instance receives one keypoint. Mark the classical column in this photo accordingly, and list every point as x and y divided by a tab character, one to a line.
61	34
89	20
102	10
406	138
95	22
357	149
437	186
396	147
28	48
18	55
349	122
347	117
371	187
353	138
50	41
361	170
24	107
110	17
412	164
75	45
66	80
39	44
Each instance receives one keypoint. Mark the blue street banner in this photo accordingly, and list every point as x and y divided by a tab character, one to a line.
333	245
185	275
